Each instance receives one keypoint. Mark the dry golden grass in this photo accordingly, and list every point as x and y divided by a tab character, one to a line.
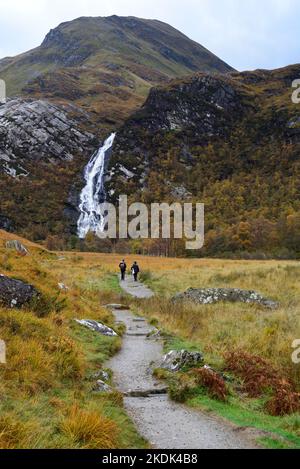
15	434
49	357
89	429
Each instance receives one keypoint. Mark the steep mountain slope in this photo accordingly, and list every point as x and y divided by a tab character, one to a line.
106	64
230	141
84	80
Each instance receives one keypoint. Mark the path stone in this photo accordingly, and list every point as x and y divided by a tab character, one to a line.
116	306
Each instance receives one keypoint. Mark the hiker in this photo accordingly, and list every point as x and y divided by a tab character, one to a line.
135	270
123	268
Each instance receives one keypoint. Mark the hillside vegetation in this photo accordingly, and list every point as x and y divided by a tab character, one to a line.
47	382
46	385
231	142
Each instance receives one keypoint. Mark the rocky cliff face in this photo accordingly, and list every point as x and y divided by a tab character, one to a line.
245	111
43	150
206	104
232	142
198	110
34	131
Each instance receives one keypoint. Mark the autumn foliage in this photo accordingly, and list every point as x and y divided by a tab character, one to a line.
260	377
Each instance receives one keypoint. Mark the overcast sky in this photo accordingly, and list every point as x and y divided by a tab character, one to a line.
247	34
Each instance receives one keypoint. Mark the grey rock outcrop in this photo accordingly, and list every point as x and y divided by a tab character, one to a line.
176	360
15	294
201	104
33	130
97	327
17	246
206	296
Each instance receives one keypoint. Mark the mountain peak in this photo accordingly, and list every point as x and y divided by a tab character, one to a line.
106	64
140	39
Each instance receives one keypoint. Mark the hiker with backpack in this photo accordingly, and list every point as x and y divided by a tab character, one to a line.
135	270
123	267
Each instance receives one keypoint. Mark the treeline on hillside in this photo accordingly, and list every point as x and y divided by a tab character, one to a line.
252	239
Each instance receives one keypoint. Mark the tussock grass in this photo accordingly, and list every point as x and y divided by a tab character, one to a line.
89	429
45	386
14	433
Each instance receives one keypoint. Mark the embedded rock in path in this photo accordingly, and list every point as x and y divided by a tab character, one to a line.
116	306
17	246
14	293
178	359
214	295
97	327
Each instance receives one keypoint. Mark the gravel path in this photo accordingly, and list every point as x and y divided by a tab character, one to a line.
165	424
136	289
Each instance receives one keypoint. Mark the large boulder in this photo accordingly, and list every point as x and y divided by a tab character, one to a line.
206	296
179	359
15	294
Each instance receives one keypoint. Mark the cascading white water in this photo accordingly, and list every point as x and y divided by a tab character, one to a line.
93	194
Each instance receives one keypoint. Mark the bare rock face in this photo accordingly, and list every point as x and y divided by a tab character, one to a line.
14	293
200	108
215	295
205	104
38	130
176	360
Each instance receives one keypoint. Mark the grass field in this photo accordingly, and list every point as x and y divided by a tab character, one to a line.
45	386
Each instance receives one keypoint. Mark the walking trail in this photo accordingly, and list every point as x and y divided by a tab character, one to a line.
164	423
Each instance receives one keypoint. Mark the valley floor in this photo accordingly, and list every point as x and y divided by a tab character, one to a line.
46	387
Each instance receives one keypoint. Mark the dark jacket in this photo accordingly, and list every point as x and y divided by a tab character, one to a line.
123	266
135	268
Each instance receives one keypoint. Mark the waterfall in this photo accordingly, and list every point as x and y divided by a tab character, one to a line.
93	194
